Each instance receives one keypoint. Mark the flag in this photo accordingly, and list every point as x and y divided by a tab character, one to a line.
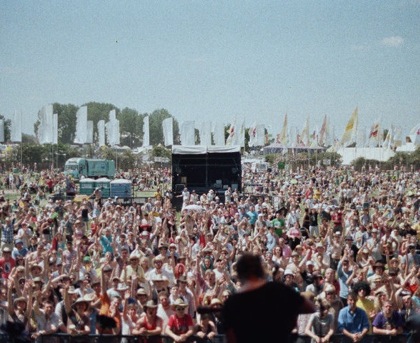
240	136
45	129
204	131
187	132
283	134
146	131
231	134
387	143
101	132
218	131
1	130
374	131
54	135
350	129
304	136
168	131
252	132
260	135
80	136
415	134
89	133
323	132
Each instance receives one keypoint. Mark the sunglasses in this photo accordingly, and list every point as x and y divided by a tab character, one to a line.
180	308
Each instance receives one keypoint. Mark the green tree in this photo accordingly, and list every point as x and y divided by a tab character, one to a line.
131	127
66	122
155	126
127	160
7	125
160	151
99	111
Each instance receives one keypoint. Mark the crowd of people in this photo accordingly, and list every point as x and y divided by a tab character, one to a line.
346	241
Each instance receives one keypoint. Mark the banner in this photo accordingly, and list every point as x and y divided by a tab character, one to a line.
89	132
101	132
350	129
1	131
204	131
80	136
168	131
54	133
45	129
188	133
17	127
146	131
282	138
218	131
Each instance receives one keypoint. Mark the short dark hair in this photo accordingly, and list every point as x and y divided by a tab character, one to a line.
249	265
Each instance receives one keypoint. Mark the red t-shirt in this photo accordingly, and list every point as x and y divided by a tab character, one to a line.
6	267
180	325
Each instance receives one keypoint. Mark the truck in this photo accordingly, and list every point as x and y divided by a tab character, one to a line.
79	167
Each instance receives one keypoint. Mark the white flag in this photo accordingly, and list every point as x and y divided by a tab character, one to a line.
89	133
17	127
252	132
232	133
112	116
239	138
81	126
146	131
101	132
45	129
188	133
54	134
219	134
205	133
168	131
109	135
1	130
116	132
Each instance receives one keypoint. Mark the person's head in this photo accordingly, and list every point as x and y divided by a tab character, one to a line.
330	275
150	308
351	300
179	307
345	264
317	277
81	305
7	252
20	303
134	261
249	266
362	289
379	268
330	292
164	299
387	308
323	306
289	277
142	296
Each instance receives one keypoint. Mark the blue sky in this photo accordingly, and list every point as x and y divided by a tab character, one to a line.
216	60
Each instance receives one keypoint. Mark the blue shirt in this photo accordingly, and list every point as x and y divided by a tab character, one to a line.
353	322
342	279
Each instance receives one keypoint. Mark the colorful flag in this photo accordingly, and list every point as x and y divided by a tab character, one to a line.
350	129
282	139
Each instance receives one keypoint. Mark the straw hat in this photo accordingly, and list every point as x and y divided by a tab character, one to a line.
23	299
150	304
83	300
179	303
122	287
